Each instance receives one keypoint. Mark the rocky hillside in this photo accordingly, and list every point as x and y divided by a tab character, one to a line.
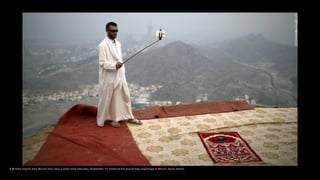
251	65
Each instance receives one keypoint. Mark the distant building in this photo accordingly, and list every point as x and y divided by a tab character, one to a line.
141	101
253	101
202	97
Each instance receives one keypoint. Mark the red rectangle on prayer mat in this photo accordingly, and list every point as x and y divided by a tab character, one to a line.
228	147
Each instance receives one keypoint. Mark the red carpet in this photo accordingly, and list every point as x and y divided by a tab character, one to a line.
76	140
192	109
228	147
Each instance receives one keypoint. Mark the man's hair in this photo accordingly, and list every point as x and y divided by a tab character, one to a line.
110	24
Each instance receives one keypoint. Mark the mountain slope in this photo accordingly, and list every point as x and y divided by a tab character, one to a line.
186	72
251	65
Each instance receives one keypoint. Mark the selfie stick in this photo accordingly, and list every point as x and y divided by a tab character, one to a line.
160	34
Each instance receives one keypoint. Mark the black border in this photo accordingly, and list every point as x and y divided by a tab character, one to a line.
14	155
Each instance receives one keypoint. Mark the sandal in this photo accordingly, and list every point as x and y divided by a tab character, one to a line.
114	124
135	121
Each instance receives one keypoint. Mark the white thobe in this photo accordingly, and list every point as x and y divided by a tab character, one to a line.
114	102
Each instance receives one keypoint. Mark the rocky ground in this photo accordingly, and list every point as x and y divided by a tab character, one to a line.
32	144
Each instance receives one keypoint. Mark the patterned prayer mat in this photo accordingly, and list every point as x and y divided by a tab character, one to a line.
228	147
271	132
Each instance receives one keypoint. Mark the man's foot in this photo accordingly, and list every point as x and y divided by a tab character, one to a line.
135	121
115	124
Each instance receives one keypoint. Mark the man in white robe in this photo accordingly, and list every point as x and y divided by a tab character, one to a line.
114	98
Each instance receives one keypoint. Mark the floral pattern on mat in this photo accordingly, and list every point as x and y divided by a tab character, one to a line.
271	132
228	147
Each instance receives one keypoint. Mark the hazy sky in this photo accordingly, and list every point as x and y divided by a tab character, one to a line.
195	28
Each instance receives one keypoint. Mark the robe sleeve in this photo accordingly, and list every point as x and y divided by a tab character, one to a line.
103	61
